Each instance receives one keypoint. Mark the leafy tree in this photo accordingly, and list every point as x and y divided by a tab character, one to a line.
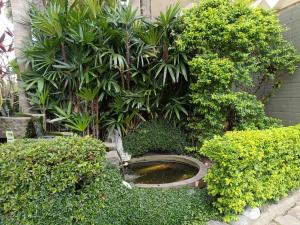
234	50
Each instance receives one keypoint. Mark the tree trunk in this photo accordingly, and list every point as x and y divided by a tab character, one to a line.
22	33
165	52
97	116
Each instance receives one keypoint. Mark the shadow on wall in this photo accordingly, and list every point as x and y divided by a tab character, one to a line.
285	103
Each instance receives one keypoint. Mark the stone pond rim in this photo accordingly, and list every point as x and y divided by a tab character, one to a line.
193	181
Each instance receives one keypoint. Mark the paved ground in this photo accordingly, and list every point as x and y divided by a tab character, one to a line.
284	212
291	217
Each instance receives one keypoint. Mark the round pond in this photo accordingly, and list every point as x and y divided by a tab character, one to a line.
164	171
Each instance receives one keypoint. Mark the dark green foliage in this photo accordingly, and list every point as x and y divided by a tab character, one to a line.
30	130
63	181
234	50
34	127
155	136
34	169
252	167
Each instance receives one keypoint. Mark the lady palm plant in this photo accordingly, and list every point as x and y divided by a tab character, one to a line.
89	95
104	65
76	121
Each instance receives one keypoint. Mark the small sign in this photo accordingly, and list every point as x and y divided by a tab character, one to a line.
9	136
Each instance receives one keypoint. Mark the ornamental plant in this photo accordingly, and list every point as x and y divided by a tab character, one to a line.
97	66
30	169
234	50
252	167
155	136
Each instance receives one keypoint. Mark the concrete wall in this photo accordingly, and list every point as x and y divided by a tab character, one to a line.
285	104
152	8
20	125
281	4
160	5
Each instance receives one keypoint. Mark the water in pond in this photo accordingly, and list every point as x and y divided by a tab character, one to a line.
159	172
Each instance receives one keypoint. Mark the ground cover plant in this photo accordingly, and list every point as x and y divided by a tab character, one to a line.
252	167
155	136
233	50
65	181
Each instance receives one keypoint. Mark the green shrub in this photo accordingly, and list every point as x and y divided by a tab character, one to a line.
252	167
155	136
30	130
107	202
31	169
233	50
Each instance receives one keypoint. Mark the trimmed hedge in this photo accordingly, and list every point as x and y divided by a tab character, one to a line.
155	136
30	169
252	167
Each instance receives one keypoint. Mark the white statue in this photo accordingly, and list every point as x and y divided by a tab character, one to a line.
124	156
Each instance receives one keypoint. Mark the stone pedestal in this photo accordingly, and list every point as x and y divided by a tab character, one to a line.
20	125
112	158
17	124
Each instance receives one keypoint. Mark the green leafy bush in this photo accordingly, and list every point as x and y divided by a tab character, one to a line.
155	136
31	169
252	167
233	50
107	201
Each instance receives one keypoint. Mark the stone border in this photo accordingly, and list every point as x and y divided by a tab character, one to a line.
194	181
269	212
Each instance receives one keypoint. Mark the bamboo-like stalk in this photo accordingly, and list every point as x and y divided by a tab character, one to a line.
97	116
165	51
63	51
127	57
